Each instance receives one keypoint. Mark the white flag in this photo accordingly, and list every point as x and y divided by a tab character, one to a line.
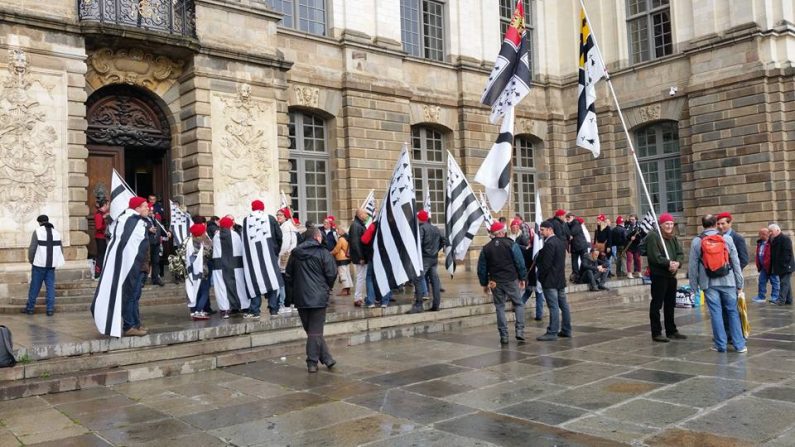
180	224
427	205
120	195
495	172
487	219
194	261
592	70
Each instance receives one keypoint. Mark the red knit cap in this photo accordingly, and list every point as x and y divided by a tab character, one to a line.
725	215
619	220
257	205
422	215
198	229
286	212
560	213
227	222
135	202
665	217
497	226
601	218
580	220
516	222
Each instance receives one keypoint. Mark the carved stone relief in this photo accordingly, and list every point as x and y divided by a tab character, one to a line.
651	112
132	66
307	96
431	113
245	151
31	155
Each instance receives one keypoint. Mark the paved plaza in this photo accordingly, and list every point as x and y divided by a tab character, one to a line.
609	385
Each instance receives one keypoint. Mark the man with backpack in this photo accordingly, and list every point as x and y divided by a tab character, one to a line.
715	269
663	278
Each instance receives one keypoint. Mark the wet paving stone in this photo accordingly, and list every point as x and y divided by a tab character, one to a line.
356	432
677	437
603	393
550	362
651	375
702	392
781	393
87	440
650	412
544	412
490	359
415	407
430	438
613	429
750	418
157	431
415	375
438	388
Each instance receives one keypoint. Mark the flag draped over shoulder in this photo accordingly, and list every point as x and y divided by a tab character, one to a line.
463	214
127	249
509	81
495	172
120	195
396	256
260	255
592	69
180	224
229	280
194	261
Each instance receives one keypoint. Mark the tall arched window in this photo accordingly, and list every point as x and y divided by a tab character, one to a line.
428	146
524	178
309	166
658	154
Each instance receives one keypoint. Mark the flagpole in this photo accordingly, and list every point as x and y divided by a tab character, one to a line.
626	131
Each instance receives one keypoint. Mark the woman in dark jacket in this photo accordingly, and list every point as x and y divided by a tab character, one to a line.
602	236
310	275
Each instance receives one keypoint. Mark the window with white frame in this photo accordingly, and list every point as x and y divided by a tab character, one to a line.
524	178
649	29
506	14
658	155
429	169
309	167
422	28
304	15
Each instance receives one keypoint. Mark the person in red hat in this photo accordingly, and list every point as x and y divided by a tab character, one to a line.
228	277
560	227
602	237
632	251
618	237
201	241
131	316
289	242
502	272
329	231
579	244
663	278
431	241
725	227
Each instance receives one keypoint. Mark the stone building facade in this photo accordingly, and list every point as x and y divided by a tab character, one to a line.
215	102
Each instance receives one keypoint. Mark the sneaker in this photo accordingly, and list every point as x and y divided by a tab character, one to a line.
677	336
254	317
603	288
225	314
383	306
660	339
504	340
547	337
520	336
371	306
426	298
247	316
743	350
564	335
134	332
50	313
415	310
358	303
713	348
27	311
312	368
758	299
200	316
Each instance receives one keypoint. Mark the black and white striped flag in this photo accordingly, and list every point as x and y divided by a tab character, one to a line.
397	257
463	214
127	249
180	224
369	203
260	255
194	260
509	81
487	219
427	205
120	195
646	225
592	70
495	172
229	281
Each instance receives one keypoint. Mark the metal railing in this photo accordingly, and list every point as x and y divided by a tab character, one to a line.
167	16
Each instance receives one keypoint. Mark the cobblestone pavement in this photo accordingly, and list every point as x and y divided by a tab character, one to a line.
609	385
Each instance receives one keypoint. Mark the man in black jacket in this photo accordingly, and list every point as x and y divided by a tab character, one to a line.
593	272
359	253
560	227
310	274
618	237
551	263
579	245
782	263
431	241
502	272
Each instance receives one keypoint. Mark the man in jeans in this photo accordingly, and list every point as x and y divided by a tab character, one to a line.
719	291
45	255
782	262
764	268
551	263
501	270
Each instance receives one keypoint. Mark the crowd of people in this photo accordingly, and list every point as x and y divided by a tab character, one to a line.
520	260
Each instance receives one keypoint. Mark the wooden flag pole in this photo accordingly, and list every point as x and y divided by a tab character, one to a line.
626	131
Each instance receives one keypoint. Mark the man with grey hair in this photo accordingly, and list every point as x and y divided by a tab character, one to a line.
781	262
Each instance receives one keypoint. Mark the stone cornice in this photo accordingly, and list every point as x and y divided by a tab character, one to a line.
254	9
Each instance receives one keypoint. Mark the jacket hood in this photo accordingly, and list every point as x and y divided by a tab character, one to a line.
305	249
47	225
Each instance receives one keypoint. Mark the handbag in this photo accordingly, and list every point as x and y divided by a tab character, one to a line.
601	246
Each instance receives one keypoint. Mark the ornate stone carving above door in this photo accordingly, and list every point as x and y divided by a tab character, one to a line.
307	96
132	66
245	151
125	116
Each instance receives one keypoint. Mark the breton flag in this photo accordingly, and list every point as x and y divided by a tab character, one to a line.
592	70
260	256
538	244
120	195
509	81
284	202
194	260
646	225
180	224
427	205
127	249
229	280
495	172
487	219
369	203
397	257
463	214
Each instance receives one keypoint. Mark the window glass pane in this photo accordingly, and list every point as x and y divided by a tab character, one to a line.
419	191
285	7
291	131
649	29
312	16
673	186
658	149
663	43
658	3
436	189
639	39
309	174
637	6
523	153
433	29
433	145
410	26
652	177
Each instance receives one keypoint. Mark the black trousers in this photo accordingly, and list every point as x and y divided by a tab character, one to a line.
575	261
313	321
663	294
594	279
154	261
102	246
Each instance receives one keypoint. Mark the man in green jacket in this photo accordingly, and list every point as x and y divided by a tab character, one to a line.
663	278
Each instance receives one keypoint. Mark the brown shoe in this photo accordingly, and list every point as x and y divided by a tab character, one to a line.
358	303
134	332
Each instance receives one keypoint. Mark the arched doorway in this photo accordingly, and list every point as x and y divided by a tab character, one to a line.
127	130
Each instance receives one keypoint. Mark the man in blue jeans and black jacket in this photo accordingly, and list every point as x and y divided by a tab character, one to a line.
551	263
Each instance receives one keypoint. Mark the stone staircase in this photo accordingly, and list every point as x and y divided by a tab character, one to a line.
196	346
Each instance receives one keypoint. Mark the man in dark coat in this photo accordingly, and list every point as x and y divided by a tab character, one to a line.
782	263
560	227
360	253
593	272
310	275
431	241
618	237
502	272
579	245
551	263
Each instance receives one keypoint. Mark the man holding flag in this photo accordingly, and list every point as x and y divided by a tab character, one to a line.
360	255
